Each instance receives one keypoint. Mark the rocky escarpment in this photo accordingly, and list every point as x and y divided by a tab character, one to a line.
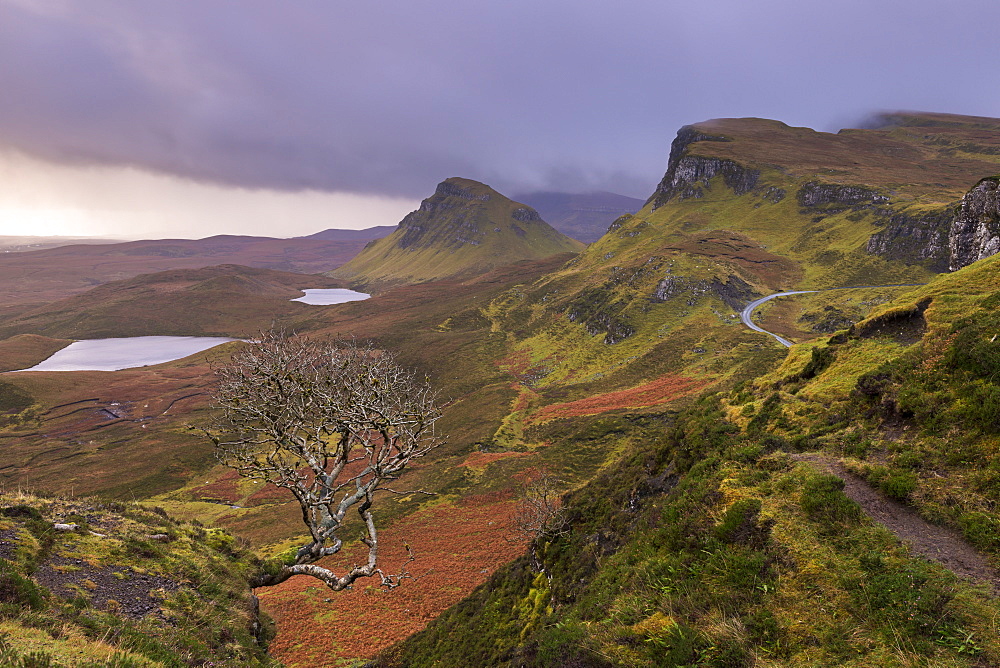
914	237
455	188
943	239
975	232
687	175
734	292
828	195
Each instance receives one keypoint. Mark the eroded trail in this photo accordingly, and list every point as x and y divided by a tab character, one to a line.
931	541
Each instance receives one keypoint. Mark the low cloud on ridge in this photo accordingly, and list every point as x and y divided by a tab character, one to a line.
389	98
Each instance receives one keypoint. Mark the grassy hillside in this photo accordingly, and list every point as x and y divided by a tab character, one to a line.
918	380
121	586
465	228
747	207
224	300
724	540
38	277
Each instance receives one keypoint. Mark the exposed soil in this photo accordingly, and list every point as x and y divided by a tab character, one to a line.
906	326
933	542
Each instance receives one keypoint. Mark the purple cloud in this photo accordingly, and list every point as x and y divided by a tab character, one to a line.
392	97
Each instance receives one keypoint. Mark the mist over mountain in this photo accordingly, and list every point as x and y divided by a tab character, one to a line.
352	235
582	216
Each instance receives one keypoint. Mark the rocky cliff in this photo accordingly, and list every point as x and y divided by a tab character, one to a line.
687	175
975	232
944	238
914	236
902	179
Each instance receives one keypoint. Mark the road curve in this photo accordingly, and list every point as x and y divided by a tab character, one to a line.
745	316
747	312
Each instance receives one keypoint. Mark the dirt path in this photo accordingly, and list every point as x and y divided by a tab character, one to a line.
933	542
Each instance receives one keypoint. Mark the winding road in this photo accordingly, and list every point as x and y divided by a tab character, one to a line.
747	313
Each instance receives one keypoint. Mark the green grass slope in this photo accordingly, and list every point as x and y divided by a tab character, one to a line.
908	398
710	546
718	541
747	207
465	228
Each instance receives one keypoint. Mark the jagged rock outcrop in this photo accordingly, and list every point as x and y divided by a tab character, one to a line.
946	239
687	175
672	286
525	213
820	194
975	233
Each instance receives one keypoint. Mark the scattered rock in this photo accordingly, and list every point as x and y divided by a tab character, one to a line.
113	588
8	543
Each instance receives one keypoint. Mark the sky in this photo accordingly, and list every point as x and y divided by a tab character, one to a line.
183	119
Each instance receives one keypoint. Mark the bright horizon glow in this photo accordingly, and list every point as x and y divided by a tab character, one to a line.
40	198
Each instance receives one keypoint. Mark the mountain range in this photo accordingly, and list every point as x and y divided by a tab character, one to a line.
725	500
582	216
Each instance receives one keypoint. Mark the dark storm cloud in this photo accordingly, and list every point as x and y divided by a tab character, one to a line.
391	97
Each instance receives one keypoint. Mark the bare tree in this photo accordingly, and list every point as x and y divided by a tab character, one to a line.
334	423
540	513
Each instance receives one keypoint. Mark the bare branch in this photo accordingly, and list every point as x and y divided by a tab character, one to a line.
540	513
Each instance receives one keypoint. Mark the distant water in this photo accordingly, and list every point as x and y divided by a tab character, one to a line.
115	354
327	296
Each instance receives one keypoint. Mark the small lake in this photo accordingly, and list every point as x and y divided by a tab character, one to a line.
327	296
126	353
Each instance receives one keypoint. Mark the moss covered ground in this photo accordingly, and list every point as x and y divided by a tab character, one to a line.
123	586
